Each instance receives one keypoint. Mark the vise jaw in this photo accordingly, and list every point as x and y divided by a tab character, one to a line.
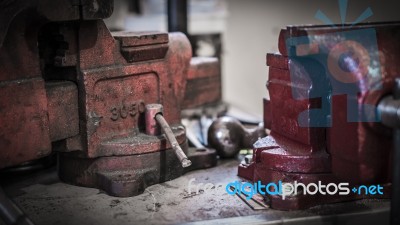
69	85
325	86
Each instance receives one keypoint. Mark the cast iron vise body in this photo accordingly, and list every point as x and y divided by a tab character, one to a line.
313	135
69	85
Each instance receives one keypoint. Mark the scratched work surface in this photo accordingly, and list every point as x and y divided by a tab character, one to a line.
48	201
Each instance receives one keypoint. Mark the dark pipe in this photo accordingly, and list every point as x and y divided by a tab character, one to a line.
395	204
389	108
177	15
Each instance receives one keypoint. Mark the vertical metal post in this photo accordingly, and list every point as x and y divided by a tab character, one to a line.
177	16
395	204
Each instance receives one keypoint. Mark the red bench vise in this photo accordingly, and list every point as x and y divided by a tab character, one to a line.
321	129
69	85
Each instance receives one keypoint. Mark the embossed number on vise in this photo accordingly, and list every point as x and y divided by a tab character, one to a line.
124	110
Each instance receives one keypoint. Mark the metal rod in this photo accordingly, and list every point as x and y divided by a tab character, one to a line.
10	213
177	15
171	138
395	204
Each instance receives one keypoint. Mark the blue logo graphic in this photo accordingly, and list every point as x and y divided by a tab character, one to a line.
327	64
343	11
250	189
368	190
297	188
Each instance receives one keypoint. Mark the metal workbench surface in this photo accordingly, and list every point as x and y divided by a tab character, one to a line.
46	200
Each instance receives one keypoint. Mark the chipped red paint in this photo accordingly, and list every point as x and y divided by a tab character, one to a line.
79	89
354	152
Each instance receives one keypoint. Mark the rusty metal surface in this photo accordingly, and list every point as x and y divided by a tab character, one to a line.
70	86
203	83
62	106
116	92
152	127
346	151
24	122
364	157
169	135
132	39
121	176
201	158
69	10
10	10
23	102
63	10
